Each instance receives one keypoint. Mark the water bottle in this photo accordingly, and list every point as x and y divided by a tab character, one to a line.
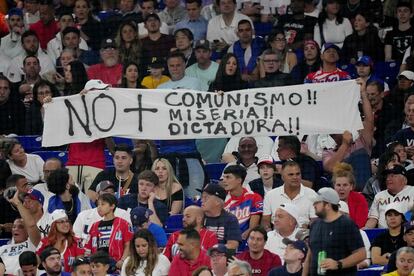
321	258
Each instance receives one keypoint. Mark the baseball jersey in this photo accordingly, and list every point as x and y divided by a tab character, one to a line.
244	206
321	76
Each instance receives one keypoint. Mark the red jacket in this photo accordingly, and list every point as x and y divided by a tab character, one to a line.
207	240
358	208
121	234
45	33
183	267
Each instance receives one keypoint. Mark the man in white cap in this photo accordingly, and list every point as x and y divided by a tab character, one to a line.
285	226
336	246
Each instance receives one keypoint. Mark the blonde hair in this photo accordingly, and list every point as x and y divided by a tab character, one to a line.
343	170
171	179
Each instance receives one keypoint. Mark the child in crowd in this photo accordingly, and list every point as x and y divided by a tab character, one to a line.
156	68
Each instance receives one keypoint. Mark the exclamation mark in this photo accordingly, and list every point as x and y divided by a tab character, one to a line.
271	112
297	125
290	125
265	112
309	96
314	97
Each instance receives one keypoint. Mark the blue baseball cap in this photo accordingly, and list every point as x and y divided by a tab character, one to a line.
35	195
327	46
365	60
139	215
15	11
298	244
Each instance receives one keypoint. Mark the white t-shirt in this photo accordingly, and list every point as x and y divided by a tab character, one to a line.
383	198
304	202
333	32
218	30
161	268
264	145
10	253
33	170
274	242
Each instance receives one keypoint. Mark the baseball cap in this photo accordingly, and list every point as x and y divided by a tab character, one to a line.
265	159
328	195
395	206
298	244
152	15
407	74
343	207
48	251
365	60
108	43
203	43
139	215
408	227
220	248
58	214
397	169
216	190
327	46
311	42
103	185
95	85
35	195
156	62
15	11
291	210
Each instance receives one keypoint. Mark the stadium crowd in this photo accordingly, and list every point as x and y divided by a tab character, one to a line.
339	204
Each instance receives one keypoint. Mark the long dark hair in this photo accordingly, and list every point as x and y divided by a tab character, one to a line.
124	82
41	83
221	79
79	78
324	15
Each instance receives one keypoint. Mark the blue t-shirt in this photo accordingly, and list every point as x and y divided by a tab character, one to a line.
159	234
405	136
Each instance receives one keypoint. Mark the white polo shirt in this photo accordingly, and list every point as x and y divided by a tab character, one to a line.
303	200
217	28
383	198
274	242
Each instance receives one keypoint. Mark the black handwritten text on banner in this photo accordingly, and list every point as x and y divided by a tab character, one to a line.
185	114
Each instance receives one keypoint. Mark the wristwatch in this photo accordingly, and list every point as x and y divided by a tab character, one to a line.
339	263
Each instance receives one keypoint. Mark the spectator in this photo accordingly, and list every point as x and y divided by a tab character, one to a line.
35	113
57	44
120	175
406	136
11	45
377	182
28	264
247	206
12	110
86	218
156	44
345	249
260	259
140	220
90	28
51	262
62	238
408	238
278	43
404	263
75	78
111	234
30	44
241	268
344	183
190	254
267	180
222	34
329	72
147	180
390	240
128	43
397	191
310	63
31	69
144	153
399	149
71	39
20	162
50	165
144	257
203	271
47	27
19	182
217	220
100	263
400	121
173	13
31	10
110	70
194	21
294	257
228	77
292	191
184	40
364	41
365	70
270	74
332	27
130	76
67	195
156	77
193	217
286	225
401	36
21	243
149	7
219	255
231	151
81	267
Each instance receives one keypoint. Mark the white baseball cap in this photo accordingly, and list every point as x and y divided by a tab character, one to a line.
343	207
291	210
265	159
58	214
95	85
408	74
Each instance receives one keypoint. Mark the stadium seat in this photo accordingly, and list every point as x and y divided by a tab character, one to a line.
374	232
350	69
387	71
4	241
30	143
109	161
262	29
214	170
121	140
174	223
61	155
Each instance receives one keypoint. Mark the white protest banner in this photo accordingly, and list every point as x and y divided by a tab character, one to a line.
325	108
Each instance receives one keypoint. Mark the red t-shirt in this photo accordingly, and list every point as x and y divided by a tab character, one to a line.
358	208
70	254
45	33
183	267
207	240
262	266
87	154
109	75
